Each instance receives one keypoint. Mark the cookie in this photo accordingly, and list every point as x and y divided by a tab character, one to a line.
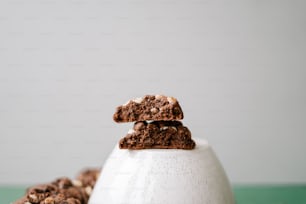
60	191
38	193
87	177
63	190
58	199
53	199
158	135
149	107
69	190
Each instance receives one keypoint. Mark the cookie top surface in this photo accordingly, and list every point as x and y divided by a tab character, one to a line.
158	135
149	107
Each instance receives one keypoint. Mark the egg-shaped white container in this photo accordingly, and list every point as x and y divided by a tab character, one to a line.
163	176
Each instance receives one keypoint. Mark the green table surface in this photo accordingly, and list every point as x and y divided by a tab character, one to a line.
244	194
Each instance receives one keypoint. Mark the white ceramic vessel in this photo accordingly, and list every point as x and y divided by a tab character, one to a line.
163	176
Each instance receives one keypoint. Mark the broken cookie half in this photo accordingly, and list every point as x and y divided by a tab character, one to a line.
158	135
165	131
149	107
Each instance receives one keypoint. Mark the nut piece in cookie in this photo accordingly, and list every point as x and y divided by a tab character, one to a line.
158	135
149	107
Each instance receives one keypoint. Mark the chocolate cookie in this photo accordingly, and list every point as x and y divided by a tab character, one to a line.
149	107
158	135
38	193
61	191
52	199
58	199
87	177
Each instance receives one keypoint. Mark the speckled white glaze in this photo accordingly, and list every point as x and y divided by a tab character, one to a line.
163	176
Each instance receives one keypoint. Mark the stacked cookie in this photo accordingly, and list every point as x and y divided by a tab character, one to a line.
156	124
63	190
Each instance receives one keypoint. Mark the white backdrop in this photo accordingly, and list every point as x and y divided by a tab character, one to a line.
237	68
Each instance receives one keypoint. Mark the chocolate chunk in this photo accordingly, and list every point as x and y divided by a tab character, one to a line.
158	135
149	107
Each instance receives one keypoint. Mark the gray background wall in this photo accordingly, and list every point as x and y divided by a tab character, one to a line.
237	68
